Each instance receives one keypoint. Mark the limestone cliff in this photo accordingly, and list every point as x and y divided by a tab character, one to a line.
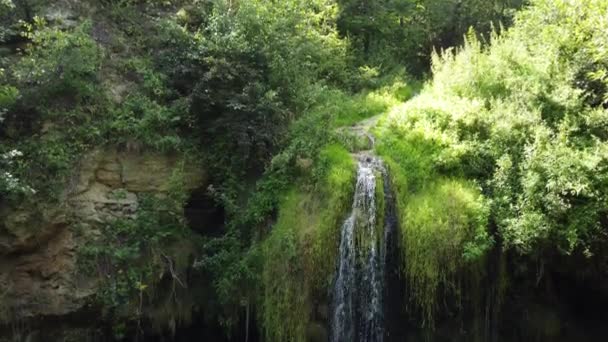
39	277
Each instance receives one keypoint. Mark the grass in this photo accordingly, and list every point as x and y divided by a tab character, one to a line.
348	109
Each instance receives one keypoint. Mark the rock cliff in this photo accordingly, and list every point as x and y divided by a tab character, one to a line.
39	276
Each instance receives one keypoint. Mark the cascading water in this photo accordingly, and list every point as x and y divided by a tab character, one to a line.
358	301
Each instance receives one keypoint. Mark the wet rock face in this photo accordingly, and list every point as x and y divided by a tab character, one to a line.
39	241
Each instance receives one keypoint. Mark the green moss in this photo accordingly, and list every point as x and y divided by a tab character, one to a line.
411	153
286	303
299	255
335	201
440	227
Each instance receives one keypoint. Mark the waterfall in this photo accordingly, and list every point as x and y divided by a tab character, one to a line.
358	298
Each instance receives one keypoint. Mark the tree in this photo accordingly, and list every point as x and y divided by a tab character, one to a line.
406	31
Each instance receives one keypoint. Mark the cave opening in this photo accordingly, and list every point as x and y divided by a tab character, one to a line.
204	214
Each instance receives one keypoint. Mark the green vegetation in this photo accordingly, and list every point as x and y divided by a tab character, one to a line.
6	9
443	222
504	151
132	253
300	252
524	125
397	31
443	228
524	118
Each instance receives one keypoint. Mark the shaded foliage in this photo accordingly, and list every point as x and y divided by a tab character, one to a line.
405	32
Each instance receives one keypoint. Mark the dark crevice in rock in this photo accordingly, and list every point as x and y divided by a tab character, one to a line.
205	216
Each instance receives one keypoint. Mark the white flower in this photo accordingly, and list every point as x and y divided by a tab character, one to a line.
16	153
12	154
